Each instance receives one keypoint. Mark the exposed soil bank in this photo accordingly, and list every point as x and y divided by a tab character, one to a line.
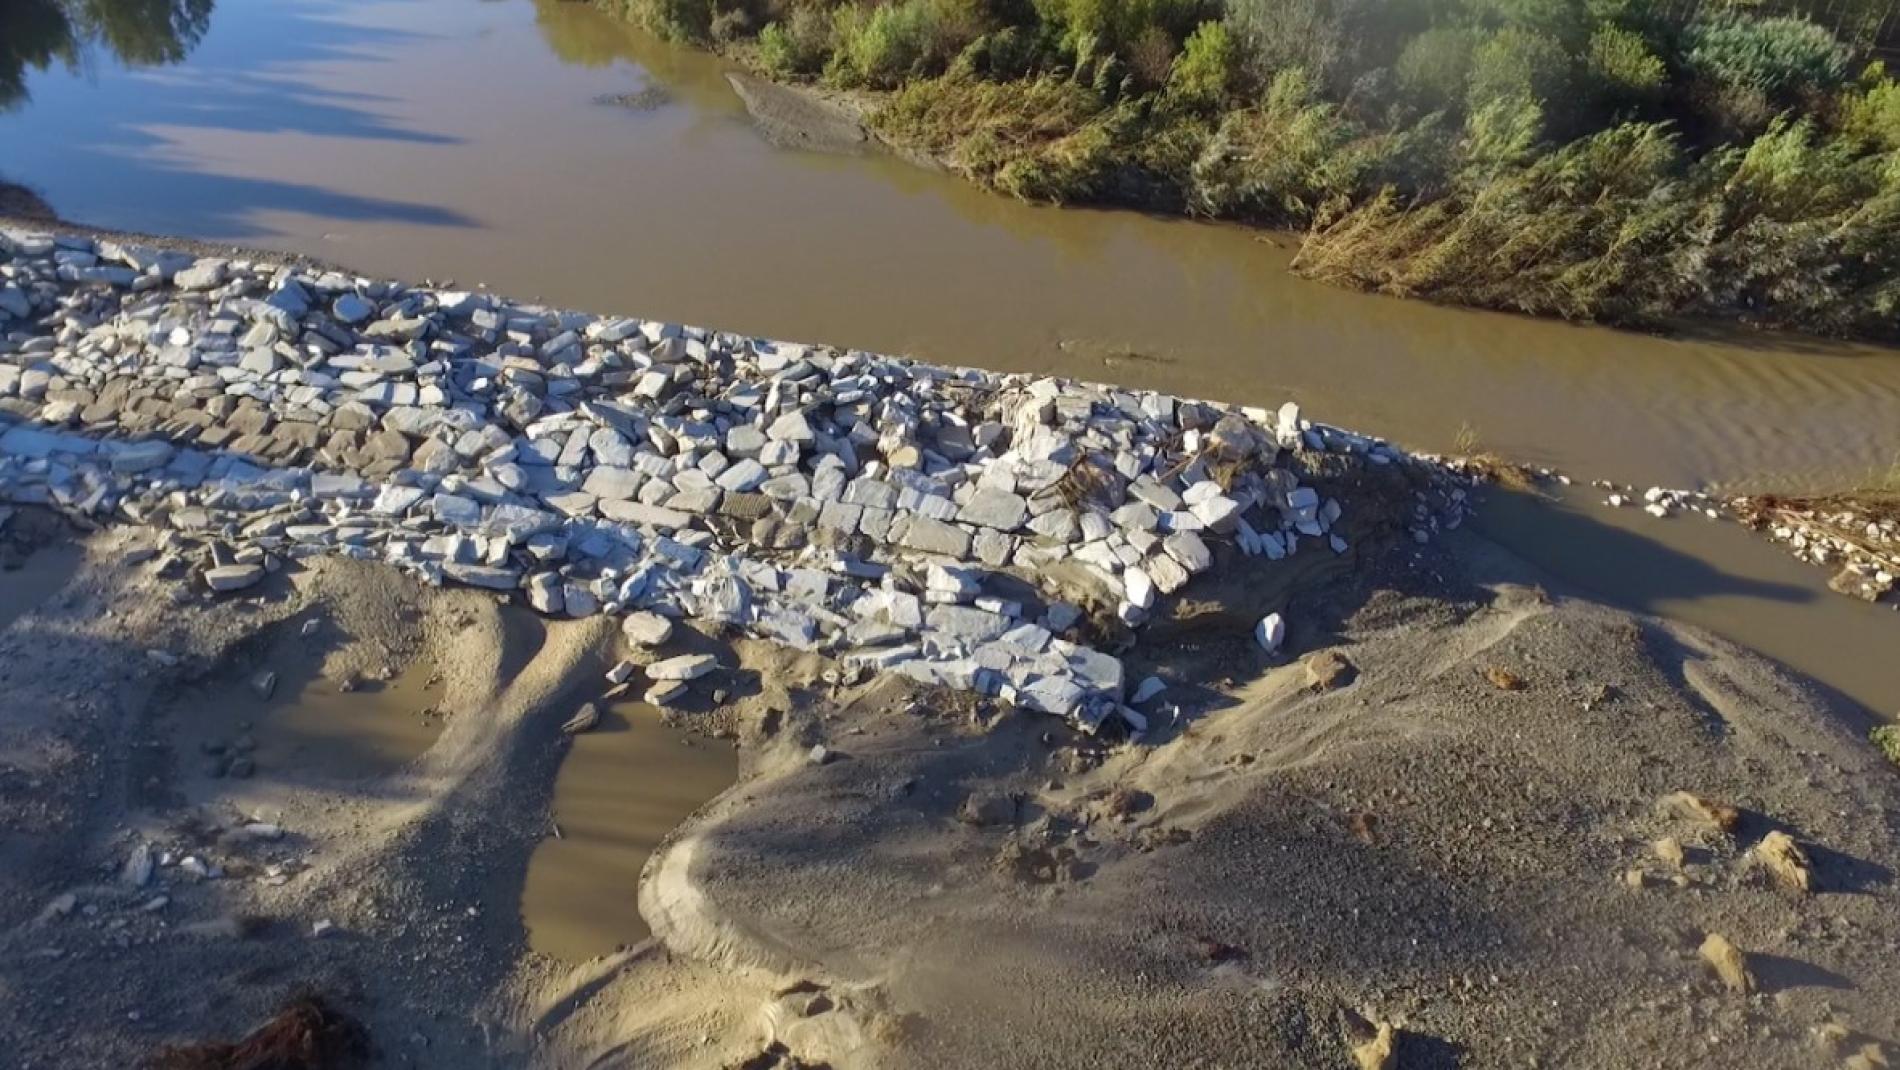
18	202
1286	853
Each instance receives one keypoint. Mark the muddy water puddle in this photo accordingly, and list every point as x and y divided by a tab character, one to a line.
28	580
306	726
622	788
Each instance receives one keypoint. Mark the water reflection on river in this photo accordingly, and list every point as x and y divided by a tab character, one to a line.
40	34
456	138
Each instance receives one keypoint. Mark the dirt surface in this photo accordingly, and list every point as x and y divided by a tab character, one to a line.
798	119
22	204
1279	868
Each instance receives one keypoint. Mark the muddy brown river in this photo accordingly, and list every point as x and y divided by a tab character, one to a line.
473	141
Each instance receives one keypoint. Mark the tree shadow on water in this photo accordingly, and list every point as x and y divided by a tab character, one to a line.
263	71
1636	572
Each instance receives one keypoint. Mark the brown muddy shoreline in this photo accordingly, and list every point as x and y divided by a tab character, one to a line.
21	208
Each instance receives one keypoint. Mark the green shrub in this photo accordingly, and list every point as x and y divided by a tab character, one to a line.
1584	232
730	25
1501	135
1871	114
1518	63
1802	230
1281	161
1164	152
1091	28
676	20
1435	67
1278	35
1887	739
1421	159
1204	73
1624	67
1562	20
1070	168
1794	230
798	47
1011	52
1778	58
881	47
1151	57
982	128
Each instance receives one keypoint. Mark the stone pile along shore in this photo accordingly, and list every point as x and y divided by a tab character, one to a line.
1857	538
963	528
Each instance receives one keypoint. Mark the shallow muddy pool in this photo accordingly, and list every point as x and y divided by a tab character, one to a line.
449	139
306	725
32	578
622	787
1713	574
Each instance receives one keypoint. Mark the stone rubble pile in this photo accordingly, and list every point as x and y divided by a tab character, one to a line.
1857	537
937	522
1858	540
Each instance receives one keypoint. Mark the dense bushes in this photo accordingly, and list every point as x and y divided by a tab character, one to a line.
799	46
1582	158
1777	58
1625	71
1794	229
1281	160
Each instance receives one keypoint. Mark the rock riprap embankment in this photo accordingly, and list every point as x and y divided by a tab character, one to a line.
939	522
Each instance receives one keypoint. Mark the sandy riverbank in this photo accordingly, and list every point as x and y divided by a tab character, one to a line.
961	885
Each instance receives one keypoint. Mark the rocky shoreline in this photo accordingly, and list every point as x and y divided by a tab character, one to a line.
992	533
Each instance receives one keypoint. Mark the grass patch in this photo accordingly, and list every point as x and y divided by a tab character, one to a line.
1047	139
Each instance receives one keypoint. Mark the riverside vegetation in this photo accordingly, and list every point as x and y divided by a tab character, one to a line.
1621	161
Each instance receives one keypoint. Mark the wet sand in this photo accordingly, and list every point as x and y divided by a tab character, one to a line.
1419	846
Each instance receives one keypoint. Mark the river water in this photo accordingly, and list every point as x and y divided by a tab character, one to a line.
467	140
461	138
